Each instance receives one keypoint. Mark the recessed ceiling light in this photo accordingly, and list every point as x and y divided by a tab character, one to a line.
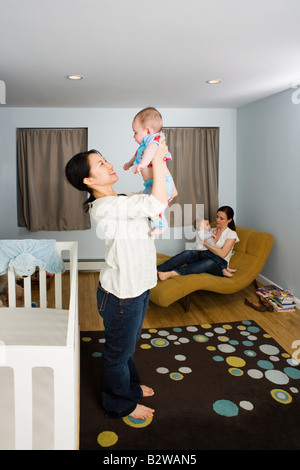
74	77
213	82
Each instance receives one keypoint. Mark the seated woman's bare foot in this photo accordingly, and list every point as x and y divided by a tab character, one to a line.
147	391
227	273
231	270
167	275
142	412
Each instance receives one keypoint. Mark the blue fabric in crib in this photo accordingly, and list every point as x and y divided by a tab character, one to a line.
24	256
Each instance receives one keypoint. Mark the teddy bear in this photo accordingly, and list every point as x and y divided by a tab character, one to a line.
19	296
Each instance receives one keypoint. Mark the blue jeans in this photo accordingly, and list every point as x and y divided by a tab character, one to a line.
194	262
120	382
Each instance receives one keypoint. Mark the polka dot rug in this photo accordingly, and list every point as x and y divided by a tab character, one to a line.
226	386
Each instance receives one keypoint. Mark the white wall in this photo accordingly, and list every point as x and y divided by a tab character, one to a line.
268	174
109	130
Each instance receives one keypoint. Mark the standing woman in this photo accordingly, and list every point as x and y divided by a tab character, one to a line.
128	274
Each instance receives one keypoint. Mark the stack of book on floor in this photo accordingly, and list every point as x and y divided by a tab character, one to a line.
281	299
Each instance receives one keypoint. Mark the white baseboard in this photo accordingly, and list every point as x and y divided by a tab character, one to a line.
265	281
87	265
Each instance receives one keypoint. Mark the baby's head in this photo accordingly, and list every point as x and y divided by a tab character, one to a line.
204	225
146	122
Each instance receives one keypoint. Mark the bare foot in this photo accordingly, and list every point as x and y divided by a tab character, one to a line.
167	275
147	391
231	270
142	412
228	272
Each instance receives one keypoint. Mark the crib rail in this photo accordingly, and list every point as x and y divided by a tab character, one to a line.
60	361
60	247
72	248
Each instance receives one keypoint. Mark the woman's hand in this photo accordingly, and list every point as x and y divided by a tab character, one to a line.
161	151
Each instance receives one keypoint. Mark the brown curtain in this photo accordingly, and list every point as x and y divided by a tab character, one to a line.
194	167
46	201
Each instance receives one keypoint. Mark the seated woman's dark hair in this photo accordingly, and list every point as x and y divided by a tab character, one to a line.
230	214
76	170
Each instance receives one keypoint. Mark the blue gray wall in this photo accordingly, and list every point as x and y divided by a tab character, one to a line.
268	180
110	131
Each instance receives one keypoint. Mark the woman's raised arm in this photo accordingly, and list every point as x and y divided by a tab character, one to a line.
159	187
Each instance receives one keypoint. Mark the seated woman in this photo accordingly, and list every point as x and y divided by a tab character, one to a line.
214	260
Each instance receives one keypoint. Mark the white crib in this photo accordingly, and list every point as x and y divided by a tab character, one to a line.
39	362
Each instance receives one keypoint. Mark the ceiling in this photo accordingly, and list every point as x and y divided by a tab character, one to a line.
136	53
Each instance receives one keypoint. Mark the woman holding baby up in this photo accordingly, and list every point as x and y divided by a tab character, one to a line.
127	276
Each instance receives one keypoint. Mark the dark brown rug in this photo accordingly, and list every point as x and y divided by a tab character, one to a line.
217	387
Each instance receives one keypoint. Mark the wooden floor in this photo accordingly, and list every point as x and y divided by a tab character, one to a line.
205	307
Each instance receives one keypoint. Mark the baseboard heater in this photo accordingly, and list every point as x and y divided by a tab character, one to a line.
87	264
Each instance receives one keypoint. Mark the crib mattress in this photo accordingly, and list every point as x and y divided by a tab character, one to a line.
33	326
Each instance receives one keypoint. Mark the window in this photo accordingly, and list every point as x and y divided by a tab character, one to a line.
46	201
194	167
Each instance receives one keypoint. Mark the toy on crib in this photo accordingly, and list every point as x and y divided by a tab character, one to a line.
19	296
19	292
25	255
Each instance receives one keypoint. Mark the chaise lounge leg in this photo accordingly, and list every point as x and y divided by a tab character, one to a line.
187	301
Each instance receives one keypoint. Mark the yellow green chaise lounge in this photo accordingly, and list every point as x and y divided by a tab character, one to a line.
250	255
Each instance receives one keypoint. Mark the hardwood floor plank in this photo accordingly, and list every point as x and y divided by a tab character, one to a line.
205	307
